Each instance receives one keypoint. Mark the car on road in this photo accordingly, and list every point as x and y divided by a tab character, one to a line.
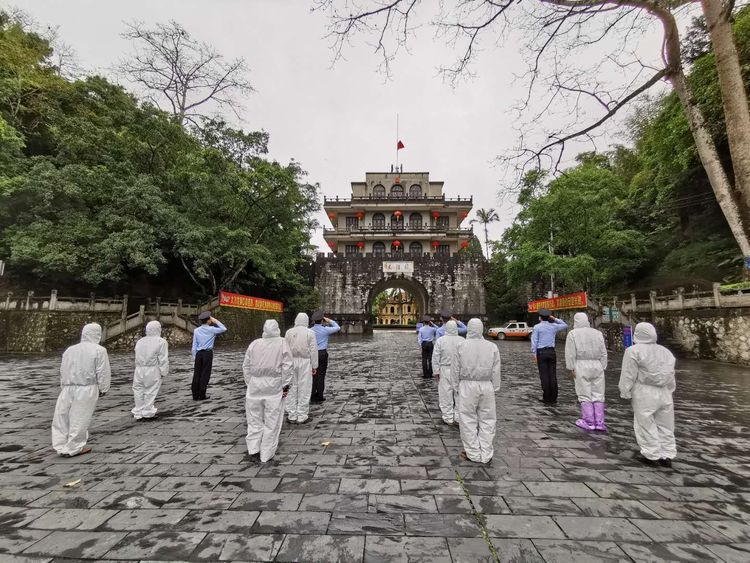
513	329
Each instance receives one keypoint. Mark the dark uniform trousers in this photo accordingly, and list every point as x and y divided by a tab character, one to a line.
546	360
202	373
427	358
319	379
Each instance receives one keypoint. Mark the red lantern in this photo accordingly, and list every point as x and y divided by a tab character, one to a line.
465	244
360	215
397	214
464	214
435	243
435	214
332	216
396	243
332	245
360	244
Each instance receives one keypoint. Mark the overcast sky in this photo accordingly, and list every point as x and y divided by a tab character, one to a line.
337	121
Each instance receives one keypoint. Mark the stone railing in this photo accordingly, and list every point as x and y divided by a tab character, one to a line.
678	300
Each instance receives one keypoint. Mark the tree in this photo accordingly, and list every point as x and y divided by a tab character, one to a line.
182	75
558	31
485	217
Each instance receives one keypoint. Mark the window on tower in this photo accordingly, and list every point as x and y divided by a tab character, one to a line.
397	190
378	249
415	190
415	220
378	191
378	221
442	222
397	221
415	249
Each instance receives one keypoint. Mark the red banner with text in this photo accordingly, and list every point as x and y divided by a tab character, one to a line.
571	301
227	299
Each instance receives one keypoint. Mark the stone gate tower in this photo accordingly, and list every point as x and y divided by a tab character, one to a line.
398	230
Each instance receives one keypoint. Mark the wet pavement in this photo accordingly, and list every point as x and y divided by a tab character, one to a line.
375	476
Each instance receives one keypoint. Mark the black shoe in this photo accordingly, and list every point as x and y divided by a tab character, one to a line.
666	462
314	400
646	461
322	399
205	398
254	458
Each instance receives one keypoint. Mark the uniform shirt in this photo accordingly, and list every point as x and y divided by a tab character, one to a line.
204	336
544	334
322	333
427	333
461	330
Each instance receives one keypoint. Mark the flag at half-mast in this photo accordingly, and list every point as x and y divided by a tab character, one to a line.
399	146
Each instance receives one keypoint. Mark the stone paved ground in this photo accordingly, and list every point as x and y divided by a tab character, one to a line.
374	477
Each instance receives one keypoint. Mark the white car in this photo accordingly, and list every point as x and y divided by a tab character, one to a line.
513	329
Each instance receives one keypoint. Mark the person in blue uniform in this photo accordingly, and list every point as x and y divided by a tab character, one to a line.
446	316
204	337
426	340
323	329
543	349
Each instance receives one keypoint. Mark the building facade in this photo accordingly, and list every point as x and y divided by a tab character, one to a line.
398	309
397	214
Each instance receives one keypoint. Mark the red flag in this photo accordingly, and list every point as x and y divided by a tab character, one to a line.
399	146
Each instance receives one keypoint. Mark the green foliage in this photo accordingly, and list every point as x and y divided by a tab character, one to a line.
97	190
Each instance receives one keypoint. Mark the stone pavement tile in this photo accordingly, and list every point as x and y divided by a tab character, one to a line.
7	558
531	462
115	470
179	470
490	504
230	547
505	473
515	550
517	526
295	485
13	481
71	498
580	475
372	486
618	490
735	531
406	549
206	448
267	501
202	501
281	522
128	500
692	493
614	508
493	488
731	553
366	523
542	506
558	489
636	477
313	460
421	461
187	484
555	551
602	529
454	504
231	521
127	484
223	459
322	549
296	471
402	503
19	516
659	552
334	503
339	471
402	472
699	480
144	519
72	519
233	470
377	460
445	525
687	510
19	497
431	486
254	484
166	458
84	545
736	510
473	473
157	545
476	550
15	541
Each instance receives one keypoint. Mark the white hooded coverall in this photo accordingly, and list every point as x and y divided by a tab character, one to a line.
586	355
477	368
151	364
84	374
268	368
301	341
445	351
648	378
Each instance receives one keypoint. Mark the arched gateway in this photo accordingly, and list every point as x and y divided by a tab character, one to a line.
426	258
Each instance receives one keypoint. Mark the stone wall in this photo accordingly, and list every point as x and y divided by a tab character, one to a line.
175	336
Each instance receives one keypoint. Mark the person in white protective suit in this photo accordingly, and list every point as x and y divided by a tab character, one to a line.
268	369
647	378
586	360
477	369
443	354
302	343
84	376
151	364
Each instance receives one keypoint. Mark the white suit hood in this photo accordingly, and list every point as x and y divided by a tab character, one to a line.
581	320
92	332
646	363
153	328
302	320
451	328
446	348
644	333
271	329
301	341
475	328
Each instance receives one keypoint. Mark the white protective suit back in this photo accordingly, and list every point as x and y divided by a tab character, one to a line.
478	359
152	353
87	363
268	365
301	340
584	343
446	348
655	363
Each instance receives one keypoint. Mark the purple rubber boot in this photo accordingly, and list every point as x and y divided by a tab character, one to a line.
587	416
599	417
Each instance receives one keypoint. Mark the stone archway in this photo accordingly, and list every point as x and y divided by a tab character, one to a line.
409	285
